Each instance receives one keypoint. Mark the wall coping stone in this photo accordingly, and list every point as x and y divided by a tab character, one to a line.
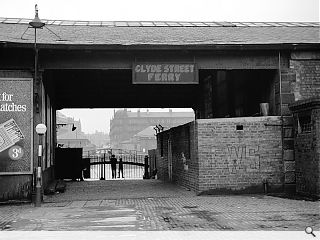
305	104
240	119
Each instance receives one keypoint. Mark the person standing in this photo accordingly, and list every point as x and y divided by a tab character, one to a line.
113	161
120	168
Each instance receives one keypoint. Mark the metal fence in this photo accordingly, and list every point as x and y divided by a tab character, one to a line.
97	164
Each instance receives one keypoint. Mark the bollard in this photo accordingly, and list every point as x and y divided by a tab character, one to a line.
146	168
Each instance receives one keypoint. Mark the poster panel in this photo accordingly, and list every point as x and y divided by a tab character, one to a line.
16	126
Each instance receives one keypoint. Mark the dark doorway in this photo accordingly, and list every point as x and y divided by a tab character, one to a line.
238	93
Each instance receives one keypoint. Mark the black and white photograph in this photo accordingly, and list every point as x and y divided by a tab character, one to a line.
165	119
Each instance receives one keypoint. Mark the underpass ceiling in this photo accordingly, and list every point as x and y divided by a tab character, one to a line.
113	89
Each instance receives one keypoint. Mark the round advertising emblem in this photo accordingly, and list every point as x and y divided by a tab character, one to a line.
16	152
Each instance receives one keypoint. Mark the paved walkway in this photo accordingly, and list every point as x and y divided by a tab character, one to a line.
143	205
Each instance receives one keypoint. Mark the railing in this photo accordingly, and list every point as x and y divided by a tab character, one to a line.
97	164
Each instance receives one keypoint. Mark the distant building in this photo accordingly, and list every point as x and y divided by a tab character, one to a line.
70	135
142	141
100	139
126	124
145	140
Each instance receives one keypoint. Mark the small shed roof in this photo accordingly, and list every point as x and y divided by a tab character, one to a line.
147	132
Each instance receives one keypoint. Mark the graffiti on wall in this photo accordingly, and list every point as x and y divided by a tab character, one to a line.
238	158
246	157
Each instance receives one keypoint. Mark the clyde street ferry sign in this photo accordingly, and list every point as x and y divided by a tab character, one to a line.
164	73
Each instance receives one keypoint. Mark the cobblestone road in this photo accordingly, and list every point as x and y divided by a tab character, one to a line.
143	205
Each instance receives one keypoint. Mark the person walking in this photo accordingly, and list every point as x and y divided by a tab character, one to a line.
113	161
120	168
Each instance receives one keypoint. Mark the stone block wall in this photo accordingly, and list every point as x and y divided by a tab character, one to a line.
239	154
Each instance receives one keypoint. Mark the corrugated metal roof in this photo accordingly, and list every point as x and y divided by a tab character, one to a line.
160	24
130	33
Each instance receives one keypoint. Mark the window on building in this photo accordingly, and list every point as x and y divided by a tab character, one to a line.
304	122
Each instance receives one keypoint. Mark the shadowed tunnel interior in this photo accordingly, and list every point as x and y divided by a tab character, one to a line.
113	88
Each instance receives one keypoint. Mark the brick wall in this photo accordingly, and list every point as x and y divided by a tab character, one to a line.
307	146
15	187
185	166
307	81
298	82
153	163
234	160
185	160
218	158
162	152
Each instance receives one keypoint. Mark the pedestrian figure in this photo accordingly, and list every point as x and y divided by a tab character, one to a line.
120	168
113	162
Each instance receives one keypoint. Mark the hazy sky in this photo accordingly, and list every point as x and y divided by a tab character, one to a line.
99	119
164	10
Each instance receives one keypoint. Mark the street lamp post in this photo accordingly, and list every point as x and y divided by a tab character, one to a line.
41	130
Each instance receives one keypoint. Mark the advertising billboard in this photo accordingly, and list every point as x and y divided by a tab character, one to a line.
16	125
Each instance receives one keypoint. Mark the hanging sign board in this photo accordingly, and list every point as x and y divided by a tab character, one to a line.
164	73
15	126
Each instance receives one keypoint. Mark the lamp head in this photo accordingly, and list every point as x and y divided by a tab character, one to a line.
41	129
36	22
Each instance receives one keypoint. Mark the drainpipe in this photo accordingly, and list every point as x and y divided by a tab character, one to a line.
281	116
265	185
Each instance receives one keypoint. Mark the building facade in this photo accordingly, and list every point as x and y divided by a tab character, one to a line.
126	124
70	135
242	148
239	78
